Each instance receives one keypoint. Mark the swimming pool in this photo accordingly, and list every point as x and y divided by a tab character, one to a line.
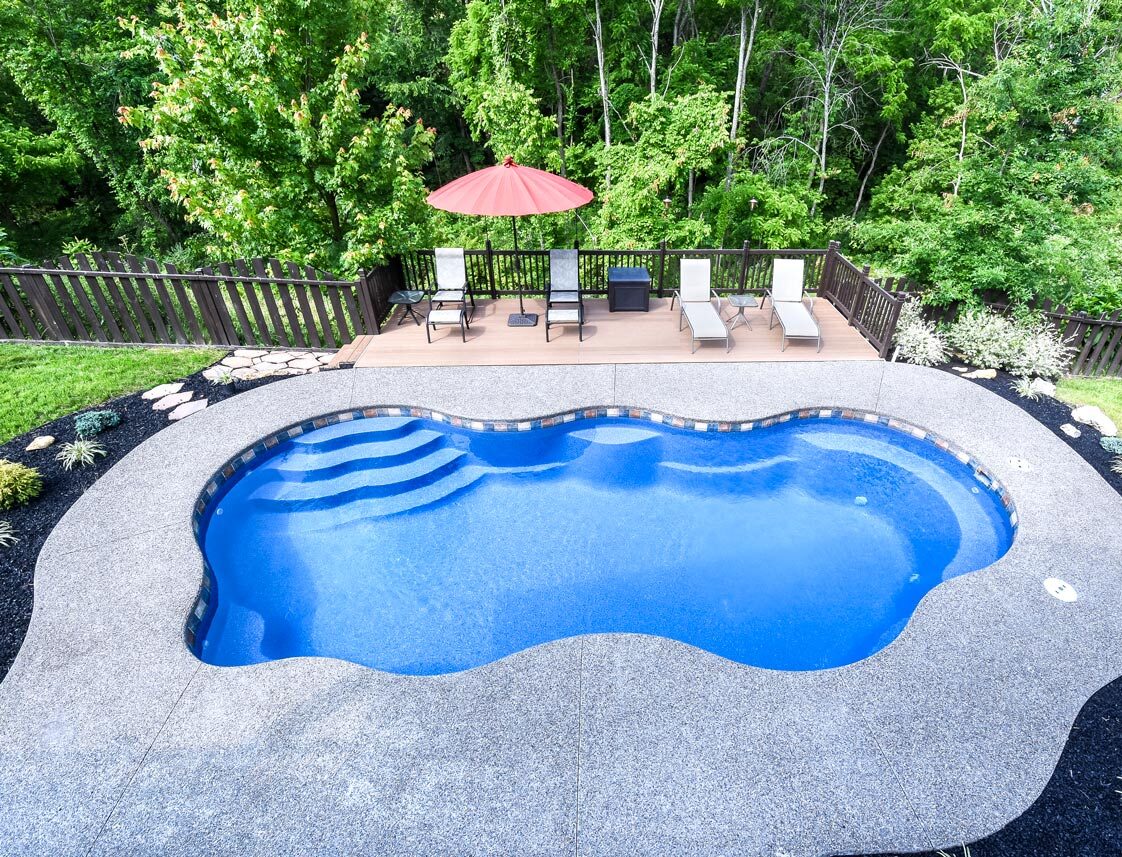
421	544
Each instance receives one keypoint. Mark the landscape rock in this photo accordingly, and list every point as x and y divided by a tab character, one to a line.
251	353
1070	430
959	368
1092	416
304	363
237	362
163	390
981	373
172	401
188	408
278	357
325	358
1044	388
41	442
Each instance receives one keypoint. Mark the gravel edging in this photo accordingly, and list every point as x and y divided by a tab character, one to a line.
1080	810
33	523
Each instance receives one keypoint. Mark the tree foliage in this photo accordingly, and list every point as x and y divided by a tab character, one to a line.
975	145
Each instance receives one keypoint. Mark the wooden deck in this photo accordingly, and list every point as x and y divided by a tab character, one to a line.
622	337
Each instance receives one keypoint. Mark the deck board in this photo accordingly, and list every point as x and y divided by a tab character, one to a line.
623	337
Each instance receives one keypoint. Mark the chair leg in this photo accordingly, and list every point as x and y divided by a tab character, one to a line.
463	328
428	332
547	327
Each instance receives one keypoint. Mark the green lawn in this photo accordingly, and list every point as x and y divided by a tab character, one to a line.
1104	392
39	383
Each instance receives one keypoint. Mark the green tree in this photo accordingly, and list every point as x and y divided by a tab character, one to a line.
258	126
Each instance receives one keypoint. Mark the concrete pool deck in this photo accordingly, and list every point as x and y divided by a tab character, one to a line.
115	739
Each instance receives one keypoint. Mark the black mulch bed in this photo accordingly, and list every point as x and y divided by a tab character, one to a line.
1079	813
33	523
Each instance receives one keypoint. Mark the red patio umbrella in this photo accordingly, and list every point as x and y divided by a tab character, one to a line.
510	190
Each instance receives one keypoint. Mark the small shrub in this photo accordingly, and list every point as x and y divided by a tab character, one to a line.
1025	347
1111	444
19	484
95	422
917	340
81	452
1116	465
1040	351
1023	387
7	534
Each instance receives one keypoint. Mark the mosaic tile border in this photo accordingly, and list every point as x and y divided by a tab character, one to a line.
200	614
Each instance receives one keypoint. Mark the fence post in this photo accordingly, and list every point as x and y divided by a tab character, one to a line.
826	284
743	268
490	259
661	264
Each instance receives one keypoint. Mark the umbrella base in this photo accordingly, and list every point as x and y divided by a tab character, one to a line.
522	319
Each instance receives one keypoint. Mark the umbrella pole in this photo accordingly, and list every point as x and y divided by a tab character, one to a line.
517	265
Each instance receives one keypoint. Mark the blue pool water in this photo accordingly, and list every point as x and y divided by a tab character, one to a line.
415	547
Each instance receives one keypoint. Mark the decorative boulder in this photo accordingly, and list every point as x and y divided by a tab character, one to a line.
1093	416
981	373
41	442
1070	430
1043	387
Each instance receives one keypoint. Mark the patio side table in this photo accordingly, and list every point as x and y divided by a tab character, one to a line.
407	299
741	302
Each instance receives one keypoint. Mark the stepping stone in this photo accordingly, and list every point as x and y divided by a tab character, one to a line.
173	401
250	353
165	390
41	442
325	358
188	408
278	357
215	372
237	362
246	373
304	363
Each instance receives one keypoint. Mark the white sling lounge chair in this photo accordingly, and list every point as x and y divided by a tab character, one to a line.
695	298
789	306
451	280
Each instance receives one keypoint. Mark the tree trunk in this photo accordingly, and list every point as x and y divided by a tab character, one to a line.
656	21
871	169
743	56
605	100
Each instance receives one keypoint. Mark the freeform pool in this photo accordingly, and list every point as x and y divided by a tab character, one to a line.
418	546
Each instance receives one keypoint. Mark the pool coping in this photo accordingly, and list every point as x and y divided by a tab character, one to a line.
112	736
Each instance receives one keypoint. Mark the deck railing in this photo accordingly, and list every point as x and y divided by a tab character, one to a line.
112	298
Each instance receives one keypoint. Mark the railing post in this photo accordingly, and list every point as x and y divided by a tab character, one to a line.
890	327
743	269
826	284
370	320
489	257
661	264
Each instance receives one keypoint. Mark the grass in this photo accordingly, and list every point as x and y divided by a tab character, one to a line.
1104	392
39	383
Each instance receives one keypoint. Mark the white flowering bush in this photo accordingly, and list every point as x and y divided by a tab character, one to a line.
1027	347
1040	352
917	341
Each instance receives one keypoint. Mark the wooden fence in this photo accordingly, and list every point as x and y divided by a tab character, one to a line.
1096	341
115	298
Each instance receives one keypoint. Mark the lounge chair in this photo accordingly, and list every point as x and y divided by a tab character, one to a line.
695	297
789	305
564	278
451	280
